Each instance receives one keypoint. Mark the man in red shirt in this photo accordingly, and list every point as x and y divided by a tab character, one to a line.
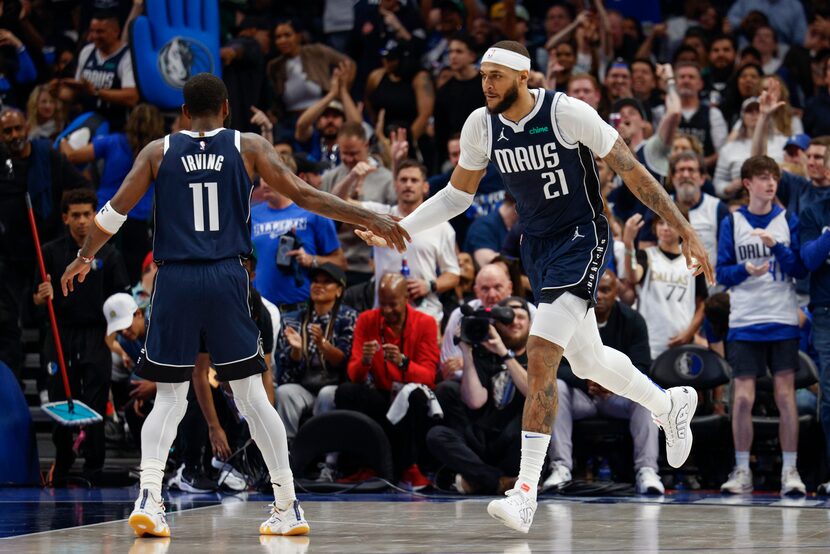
394	345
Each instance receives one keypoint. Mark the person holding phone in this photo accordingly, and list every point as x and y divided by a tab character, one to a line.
289	242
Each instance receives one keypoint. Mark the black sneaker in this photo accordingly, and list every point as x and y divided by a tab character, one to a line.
188	482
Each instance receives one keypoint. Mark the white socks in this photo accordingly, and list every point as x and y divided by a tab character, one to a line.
268	432
789	460
742	460
159	432
534	449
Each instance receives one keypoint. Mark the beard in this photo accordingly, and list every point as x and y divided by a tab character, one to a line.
685	190
515	342
509	99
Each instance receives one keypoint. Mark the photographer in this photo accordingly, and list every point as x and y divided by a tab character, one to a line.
482	433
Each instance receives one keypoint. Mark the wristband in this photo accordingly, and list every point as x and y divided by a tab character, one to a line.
84	258
433	286
108	220
509	356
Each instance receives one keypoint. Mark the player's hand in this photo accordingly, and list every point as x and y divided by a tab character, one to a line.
416	288
143	390
370	238
451	365
294	339
632	229
44	292
697	259
391	353
757	270
388	229
76	268
219	443
768	240
370	348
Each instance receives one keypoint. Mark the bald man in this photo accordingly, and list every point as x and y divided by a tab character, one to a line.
492	285
396	345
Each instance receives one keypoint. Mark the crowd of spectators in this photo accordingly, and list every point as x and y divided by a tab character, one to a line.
725	103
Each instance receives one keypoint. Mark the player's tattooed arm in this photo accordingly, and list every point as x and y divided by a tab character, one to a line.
651	193
261	158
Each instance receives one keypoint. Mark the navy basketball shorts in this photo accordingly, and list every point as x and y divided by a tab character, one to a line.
752	359
197	306
572	260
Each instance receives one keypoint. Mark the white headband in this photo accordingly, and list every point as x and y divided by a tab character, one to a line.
513	60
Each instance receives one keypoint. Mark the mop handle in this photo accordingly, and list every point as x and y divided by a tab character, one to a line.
52	319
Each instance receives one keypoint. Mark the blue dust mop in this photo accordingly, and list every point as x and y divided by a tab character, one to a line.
67	412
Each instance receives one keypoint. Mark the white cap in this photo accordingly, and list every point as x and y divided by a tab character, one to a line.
119	310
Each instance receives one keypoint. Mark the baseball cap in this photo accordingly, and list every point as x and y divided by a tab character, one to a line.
148	259
336	105
331	270
801	141
749	102
119	310
499	11
632	102
304	165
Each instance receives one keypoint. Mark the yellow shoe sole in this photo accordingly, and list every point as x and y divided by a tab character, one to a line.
142	525
299	530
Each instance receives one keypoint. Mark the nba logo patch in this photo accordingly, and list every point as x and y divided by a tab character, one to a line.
525	487
202	145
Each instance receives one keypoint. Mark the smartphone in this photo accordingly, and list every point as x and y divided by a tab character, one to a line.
286	245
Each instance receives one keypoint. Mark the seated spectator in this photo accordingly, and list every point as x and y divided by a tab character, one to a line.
369	182
394	345
126	330
492	285
118	151
723	51
463	291
758	258
585	87
670	296
301	74
644	85
314	347
623	329
737	149
143	290
104	81
480	437
486	234
283	279
430	259
618	80
317	127
44	113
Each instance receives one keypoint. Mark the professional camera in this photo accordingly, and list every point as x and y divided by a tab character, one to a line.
475	325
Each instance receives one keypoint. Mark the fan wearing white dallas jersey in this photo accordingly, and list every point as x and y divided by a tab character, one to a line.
669	297
543	144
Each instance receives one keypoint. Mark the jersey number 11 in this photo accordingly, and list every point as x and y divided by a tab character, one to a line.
199	207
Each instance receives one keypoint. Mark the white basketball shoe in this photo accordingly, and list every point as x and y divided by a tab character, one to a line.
148	517
676	424
516	510
290	521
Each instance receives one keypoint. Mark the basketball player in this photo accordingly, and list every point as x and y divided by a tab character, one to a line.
543	143
203	189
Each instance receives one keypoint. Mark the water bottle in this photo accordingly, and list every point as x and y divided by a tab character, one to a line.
604	473
405	268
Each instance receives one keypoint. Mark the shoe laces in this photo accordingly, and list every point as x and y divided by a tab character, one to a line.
517	497
275	513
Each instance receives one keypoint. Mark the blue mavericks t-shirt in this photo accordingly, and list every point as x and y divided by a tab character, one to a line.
317	233
118	160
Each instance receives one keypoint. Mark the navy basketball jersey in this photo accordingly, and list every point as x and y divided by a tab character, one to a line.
203	198
104	75
555	183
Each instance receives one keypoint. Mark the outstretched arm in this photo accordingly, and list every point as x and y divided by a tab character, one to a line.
652	194
263	159
135	185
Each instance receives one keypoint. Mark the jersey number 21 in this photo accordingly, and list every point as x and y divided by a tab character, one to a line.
552	178
199	207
